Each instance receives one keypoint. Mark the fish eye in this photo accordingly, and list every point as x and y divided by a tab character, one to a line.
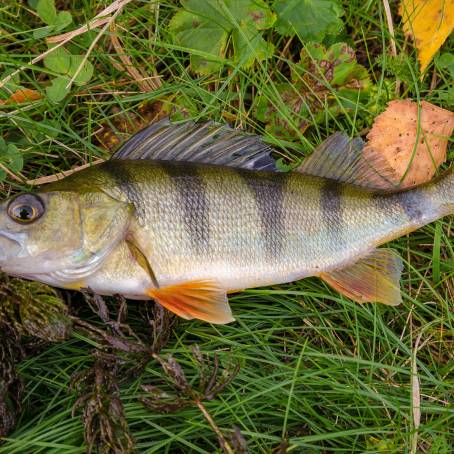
26	208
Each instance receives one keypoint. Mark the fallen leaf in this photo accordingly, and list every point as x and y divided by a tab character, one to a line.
414	147
429	23
22	95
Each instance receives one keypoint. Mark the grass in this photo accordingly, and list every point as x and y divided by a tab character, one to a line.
318	373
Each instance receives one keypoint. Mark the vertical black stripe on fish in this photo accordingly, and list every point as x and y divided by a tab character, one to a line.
410	201
268	190
194	202
331	208
119	172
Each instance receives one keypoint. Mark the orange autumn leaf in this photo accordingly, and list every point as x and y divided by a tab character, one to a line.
413	147
429	23
22	95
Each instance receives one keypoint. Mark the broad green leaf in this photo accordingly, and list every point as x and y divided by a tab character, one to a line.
46	11
311	20
58	61
64	18
14	159
85	73
204	27
249	45
11	157
42	32
57	90
212	10
192	31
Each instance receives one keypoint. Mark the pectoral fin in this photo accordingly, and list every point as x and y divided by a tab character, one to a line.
374	278
195	299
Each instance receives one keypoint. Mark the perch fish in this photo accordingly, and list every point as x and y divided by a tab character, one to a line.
186	213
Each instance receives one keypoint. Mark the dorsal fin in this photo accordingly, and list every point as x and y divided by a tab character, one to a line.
209	143
342	159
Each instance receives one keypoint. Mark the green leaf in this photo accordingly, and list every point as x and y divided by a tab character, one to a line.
15	159
46	11
446	61
57	90
58	61
11	157
64	18
43	31
249	45
309	19
191	31
204	26
85	73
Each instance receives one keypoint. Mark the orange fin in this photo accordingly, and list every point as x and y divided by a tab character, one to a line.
375	278
204	300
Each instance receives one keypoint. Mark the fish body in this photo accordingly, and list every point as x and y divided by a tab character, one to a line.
139	227
247	229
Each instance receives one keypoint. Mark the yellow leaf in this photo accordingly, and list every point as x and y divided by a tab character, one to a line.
412	139
429	23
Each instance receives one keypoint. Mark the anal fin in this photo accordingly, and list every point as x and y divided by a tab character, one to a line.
374	278
204	300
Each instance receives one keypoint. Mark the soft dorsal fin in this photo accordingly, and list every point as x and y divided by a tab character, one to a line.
209	143
342	159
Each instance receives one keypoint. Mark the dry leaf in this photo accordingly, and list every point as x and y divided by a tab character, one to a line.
395	132
22	95
429	23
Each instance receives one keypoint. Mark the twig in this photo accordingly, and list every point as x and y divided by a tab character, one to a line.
11	174
145	83
79	31
60	175
415	397
222	441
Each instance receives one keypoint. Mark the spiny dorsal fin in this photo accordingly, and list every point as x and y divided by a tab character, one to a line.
209	143
374	278
341	158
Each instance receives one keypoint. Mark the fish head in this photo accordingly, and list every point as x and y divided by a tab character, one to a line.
65	232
